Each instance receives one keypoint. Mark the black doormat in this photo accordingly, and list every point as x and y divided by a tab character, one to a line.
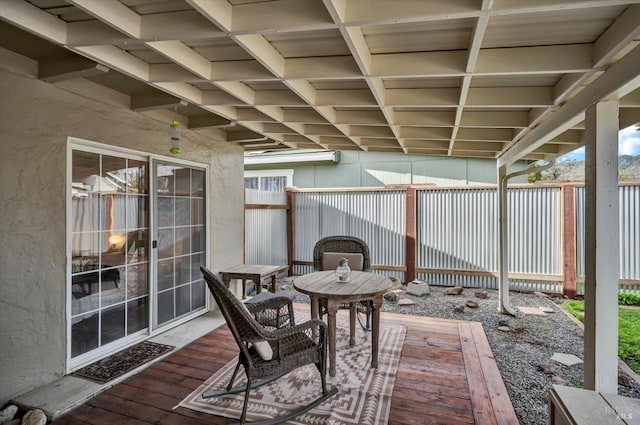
123	361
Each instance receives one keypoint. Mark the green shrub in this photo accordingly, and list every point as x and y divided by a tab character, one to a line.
628	298
628	331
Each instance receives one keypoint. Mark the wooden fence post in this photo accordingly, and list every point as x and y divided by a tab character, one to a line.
569	240
410	234
290	230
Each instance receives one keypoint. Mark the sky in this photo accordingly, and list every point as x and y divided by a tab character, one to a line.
628	144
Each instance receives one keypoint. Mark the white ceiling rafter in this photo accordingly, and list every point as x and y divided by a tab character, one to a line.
440	77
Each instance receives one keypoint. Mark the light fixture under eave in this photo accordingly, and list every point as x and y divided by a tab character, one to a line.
258	143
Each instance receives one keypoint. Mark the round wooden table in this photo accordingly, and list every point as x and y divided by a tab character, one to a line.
362	286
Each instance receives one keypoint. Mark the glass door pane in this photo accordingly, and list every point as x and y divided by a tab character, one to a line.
180	232
109	238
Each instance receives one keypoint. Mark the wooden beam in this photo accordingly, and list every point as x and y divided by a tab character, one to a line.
617	81
114	14
157	100
34	20
56	71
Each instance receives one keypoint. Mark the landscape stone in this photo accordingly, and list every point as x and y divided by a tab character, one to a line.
455	290
8	413
471	304
13	422
459	308
390	296
405	301
503	322
504	328
548	310
625	381
566	359
532	311
558	380
395	283
483	295
418	289
397	291
34	417
547	368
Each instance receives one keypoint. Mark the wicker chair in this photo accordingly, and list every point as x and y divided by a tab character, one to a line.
290	345
346	244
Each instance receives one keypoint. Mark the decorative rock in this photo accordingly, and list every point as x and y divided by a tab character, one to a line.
34	417
458	308
405	301
566	359
456	290
390	296
13	422
503	322
397	291
547	310
625	381
396	284
504	328
8	413
559	380
547	368
471	304
483	295
418	289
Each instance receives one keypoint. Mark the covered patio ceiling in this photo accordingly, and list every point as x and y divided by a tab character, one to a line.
506	79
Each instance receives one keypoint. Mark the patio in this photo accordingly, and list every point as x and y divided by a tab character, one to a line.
447	374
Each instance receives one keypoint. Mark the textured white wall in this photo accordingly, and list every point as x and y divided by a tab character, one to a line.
35	120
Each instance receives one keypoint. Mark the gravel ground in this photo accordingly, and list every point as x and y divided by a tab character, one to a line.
519	352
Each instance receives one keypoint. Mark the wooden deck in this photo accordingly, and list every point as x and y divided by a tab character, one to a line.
447	375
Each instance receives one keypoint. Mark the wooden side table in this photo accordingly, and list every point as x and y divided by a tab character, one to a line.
254	272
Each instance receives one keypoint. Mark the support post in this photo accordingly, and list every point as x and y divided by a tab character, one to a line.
503	243
410	234
602	248
569	240
290	230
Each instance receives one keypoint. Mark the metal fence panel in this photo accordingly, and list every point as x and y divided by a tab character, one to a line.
265	229
457	230
629	227
377	217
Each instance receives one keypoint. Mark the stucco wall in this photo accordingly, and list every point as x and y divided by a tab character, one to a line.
35	120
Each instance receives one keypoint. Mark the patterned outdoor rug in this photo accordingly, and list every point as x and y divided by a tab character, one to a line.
123	361
364	395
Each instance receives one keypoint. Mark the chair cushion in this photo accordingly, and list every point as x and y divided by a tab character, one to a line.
263	348
330	260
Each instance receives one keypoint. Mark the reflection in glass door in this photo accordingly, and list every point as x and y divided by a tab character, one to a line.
109	247
180	235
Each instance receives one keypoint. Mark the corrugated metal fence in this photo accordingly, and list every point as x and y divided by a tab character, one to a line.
629	197
456	232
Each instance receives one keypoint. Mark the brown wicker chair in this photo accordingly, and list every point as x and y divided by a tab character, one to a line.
292	345
346	244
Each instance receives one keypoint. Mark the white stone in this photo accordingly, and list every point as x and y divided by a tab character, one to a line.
532	311
34	417
566	359
396	284
405	301
8	413
547	310
418	289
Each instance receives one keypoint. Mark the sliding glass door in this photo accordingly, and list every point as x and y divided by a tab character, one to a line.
134	258
180	235
109	249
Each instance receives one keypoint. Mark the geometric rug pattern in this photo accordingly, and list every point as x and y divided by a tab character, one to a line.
364	394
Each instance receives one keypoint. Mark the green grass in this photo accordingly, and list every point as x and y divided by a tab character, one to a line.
628	332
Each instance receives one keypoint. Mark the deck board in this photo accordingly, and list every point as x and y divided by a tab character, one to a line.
447	375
